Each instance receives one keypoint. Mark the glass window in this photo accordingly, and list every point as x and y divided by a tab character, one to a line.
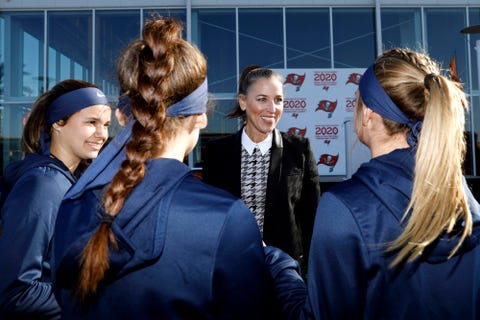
218	125
353	37
69	46
473	141
13	118
473	121
308	38
114	30
2	56
213	30
21	55
474	15
214	33
261	37
402	27
444	39
21	76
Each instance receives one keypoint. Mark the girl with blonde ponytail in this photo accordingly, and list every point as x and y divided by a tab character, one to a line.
139	237
400	239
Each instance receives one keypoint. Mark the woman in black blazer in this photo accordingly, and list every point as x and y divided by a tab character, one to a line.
281	186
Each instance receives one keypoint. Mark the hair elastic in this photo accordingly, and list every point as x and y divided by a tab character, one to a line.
427	79
194	103
73	101
107	218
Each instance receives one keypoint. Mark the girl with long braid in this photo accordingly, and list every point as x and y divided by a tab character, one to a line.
400	239
139	236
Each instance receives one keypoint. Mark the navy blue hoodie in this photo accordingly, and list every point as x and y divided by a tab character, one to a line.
32	190
186	250
349	275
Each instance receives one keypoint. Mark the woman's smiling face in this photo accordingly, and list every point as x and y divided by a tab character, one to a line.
263	105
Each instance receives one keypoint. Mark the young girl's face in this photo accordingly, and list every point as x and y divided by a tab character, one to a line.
83	135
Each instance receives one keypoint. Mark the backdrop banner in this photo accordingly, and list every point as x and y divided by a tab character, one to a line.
319	104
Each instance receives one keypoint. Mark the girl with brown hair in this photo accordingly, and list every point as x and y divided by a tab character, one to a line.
66	129
139	236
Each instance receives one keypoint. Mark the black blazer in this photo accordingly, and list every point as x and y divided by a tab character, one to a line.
293	187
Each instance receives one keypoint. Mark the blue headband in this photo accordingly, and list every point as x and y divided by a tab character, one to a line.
109	161
194	103
378	100
73	101
124	104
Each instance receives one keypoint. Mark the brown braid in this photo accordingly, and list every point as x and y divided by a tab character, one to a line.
154	72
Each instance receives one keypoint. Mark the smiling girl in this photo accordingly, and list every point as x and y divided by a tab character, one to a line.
66	129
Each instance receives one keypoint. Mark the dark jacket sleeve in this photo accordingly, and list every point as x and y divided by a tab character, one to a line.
28	221
290	289
310	197
221	163
242	284
209	162
335	272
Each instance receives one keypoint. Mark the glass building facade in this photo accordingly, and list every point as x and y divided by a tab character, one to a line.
39	48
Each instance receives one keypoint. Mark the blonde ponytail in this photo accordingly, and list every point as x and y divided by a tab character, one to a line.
438	203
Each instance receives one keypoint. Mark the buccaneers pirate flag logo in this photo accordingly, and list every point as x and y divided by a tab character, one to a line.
327	106
328	160
298	131
295	79
354	78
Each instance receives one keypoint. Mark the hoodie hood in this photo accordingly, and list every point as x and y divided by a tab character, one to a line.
390	178
17	169
139	227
